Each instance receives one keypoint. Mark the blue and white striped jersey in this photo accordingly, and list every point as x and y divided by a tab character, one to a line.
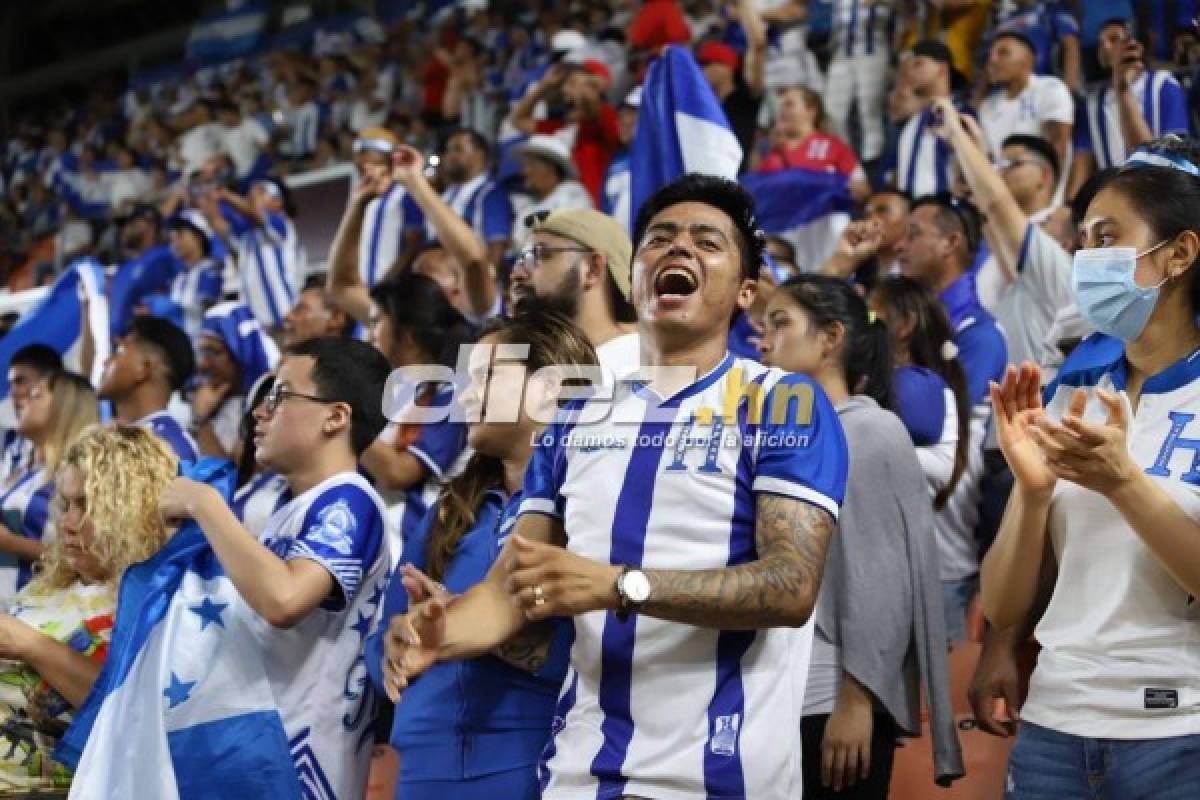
659	709
1163	104
195	290
387	218
270	262
164	425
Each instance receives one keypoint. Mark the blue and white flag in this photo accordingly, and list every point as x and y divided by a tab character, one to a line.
55	321
182	709
681	128
809	209
227	35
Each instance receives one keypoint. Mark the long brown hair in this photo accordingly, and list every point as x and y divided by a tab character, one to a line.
553	340
907	299
73	407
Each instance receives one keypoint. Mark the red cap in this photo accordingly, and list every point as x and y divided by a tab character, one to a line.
597	68
717	53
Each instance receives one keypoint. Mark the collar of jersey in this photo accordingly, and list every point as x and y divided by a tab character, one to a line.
1180	374
644	391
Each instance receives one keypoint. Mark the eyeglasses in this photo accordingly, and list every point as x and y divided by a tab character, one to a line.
533	256
278	394
1005	164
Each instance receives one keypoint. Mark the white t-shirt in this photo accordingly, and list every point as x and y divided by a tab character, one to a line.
317	670
620	356
1120	639
1027	307
1044	99
244	143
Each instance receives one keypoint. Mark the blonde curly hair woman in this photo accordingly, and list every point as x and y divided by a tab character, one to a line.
57	631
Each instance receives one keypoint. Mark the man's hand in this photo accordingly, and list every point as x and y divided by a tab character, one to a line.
1129	64
549	581
859	241
376	180
408	166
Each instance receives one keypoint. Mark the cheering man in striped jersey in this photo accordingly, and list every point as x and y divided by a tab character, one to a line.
684	533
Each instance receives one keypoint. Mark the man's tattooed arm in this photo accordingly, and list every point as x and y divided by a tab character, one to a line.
779	589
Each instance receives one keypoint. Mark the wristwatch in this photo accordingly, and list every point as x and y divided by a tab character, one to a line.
633	590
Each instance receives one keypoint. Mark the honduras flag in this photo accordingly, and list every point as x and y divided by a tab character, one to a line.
809	209
681	128
55	321
228	35
182	709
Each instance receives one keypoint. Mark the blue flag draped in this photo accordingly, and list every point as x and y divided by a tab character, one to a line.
182	708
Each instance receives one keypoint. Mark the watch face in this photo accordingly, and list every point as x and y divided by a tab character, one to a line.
637	586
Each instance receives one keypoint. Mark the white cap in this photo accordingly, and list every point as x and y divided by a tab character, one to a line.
634	98
550	148
567	40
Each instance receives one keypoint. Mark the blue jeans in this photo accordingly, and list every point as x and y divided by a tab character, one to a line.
1048	765
956	598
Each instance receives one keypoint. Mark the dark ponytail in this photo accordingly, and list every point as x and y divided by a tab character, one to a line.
931	346
553	340
867	352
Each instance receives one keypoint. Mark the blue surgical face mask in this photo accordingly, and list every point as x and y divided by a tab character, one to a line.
1107	295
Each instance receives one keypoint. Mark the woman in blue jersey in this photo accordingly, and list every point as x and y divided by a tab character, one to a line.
475	729
59	406
932	400
880	601
1103	517
415	326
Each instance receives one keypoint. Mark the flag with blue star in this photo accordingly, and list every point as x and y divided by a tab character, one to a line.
182	635
209	612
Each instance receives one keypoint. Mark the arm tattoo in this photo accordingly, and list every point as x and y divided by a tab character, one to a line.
529	648
778	589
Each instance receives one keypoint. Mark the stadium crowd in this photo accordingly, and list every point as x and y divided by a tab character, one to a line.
259	511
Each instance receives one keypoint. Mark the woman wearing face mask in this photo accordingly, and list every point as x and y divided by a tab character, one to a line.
879	619
474	730
1103	516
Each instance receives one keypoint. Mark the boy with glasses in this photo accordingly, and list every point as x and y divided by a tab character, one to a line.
311	581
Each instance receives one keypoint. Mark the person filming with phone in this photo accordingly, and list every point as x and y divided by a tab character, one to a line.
1105	513
1136	105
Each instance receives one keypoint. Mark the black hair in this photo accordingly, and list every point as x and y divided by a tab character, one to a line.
1087	192
892	189
955	215
172	344
720	193
867	361
41	358
1040	146
317	282
348	371
247	464
416	305
1168	199
622	309
478	141
906	300
785	244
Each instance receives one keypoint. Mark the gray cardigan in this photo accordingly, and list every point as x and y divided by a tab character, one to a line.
881	598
